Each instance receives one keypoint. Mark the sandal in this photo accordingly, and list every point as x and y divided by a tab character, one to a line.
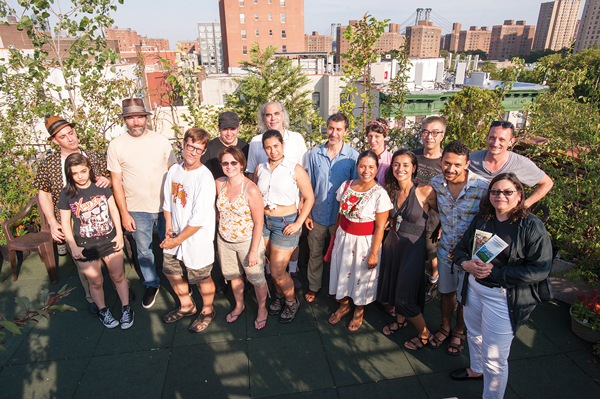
202	322
354	328
257	323
310	295
413	345
391	310
435	342
233	317
458	347
176	314
392	331
334	320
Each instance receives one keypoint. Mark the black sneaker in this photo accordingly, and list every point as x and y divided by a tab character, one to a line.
277	305
131	296
107	318
296	278
149	297
127	317
93	308
289	312
431	291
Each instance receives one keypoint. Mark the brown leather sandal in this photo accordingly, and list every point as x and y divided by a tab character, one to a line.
176	315
202	322
435	342
458	347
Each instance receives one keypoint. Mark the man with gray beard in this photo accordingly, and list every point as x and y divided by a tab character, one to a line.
138	161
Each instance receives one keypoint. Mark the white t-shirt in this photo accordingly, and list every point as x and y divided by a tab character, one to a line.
294	150
527	172
190	197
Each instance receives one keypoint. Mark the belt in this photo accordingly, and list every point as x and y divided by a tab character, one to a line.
488	284
357	229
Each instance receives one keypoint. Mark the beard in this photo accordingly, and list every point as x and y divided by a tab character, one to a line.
136	131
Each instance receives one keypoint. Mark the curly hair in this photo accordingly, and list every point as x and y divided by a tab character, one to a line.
379	125
488	212
391	183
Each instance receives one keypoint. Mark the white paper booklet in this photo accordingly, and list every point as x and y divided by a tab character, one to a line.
492	248
481	237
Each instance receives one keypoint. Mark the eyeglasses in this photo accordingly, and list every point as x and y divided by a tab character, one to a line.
193	149
433	133
504	124
232	163
507	193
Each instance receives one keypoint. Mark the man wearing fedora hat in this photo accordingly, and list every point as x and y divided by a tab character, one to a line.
138	161
50	180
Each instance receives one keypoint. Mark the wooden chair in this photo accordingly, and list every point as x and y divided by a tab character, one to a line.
41	242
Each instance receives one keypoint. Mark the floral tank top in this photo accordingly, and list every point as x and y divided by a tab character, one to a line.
235	224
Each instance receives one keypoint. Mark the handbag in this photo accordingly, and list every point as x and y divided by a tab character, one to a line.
327	257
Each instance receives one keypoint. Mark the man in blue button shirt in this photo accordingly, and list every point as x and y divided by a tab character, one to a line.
329	166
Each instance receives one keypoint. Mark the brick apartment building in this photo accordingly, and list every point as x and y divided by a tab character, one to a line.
556	24
424	40
278	23
391	40
128	39
510	39
589	29
316	42
467	40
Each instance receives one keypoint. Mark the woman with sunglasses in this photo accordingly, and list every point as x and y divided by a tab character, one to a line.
498	297
239	243
279	180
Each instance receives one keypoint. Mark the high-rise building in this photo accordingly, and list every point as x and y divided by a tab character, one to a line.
424	39
475	39
449	41
511	39
556	24
278	23
211	47
316	42
391	40
589	29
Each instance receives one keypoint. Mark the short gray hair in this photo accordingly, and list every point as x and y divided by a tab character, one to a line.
433	119
262	126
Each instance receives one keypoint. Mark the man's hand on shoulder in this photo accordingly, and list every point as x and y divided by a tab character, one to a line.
102	182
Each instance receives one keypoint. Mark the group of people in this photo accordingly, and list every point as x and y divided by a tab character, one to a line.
387	214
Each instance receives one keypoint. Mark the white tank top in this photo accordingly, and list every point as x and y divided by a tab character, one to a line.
278	187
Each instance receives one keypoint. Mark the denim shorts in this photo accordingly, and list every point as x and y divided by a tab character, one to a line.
273	230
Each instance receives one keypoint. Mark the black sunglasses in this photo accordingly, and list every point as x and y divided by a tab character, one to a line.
504	124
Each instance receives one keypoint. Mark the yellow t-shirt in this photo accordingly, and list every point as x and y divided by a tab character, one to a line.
144	162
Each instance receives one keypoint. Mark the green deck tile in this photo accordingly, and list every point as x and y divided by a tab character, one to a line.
554	321
587	362
530	342
215	370
66	335
407	387
148	331
319	394
363	356
218	330
441	385
127	375
287	364
55	379
556	376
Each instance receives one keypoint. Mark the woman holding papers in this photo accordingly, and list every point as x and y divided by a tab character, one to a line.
500	294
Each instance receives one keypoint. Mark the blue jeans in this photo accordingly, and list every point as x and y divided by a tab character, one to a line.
144	226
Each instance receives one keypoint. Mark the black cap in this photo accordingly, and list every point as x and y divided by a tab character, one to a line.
229	119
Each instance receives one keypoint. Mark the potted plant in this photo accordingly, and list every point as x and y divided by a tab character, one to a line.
585	316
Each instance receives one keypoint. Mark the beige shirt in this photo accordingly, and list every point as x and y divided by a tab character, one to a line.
144	162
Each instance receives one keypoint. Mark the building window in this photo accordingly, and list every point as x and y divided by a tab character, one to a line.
283	33
256	32
284	48
243	34
241	3
316	97
282	3
283	18
256	17
242	19
270	32
245	50
270	17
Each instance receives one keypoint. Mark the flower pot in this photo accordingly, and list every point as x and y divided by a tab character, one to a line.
584	331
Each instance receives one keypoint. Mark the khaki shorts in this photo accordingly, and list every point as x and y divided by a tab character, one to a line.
175	267
233	257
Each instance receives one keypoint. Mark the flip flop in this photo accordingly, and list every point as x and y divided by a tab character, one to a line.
231	317
258	322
